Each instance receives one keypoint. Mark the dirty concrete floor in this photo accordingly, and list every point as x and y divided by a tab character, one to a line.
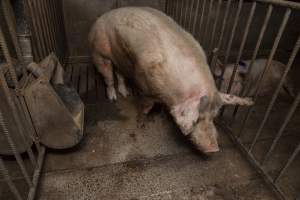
125	155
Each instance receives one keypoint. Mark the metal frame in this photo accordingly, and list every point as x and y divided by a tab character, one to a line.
47	35
202	19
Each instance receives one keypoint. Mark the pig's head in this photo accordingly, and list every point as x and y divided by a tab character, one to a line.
196	119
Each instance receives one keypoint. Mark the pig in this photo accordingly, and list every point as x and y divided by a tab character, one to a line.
165	64
269	83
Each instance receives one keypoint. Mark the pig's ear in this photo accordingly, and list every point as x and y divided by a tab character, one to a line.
229	99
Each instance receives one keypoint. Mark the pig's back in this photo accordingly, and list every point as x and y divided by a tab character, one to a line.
164	59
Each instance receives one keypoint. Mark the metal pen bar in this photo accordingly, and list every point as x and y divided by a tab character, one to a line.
37	29
283	126
215	26
181	13
39	10
62	29
237	17
8	59
174	9
12	72
195	18
289	162
191	15
46	7
8	180
201	19
275	45
206	27
257	46
35	36
287	4
186	14
245	36
224	24
55	26
276	93
167	9
14	149
11	22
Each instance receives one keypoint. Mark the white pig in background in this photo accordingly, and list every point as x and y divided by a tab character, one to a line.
166	65
268	85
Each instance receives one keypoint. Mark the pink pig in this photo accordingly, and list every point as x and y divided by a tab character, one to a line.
166	65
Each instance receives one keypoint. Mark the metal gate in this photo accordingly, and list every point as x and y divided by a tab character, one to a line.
29	30
225	29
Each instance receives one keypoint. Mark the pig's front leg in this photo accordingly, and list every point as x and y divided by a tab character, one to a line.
104	66
122	85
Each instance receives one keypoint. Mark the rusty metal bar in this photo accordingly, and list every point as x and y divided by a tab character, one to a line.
289	162
237	17
8	180
283	126
191	15
224	23
206	27
195	18
274	48
215	26
276	93
257	46
201	19
14	149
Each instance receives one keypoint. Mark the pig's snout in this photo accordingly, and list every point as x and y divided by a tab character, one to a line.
204	137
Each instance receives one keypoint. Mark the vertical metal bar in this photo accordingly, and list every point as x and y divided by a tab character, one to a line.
37	29
237	17
224	24
46	7
167	3
201	19
206	27
55	26
186	14
276	93
215	26
8	59
14	149
11	22
8	180
39	10
257	46
191	15
60	21
6	89
181	13
283	126
249	21
195	18
289	162
274	48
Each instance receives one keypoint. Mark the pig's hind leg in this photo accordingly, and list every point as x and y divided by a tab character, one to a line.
122	85
105	67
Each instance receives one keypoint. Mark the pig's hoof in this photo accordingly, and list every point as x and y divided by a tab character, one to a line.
123	90
111	94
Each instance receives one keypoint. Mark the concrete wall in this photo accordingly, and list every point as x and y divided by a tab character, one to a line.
80	15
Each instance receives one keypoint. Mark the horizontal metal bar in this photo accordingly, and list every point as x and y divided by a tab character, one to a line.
288	4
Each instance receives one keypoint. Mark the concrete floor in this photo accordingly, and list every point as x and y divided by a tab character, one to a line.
126	155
